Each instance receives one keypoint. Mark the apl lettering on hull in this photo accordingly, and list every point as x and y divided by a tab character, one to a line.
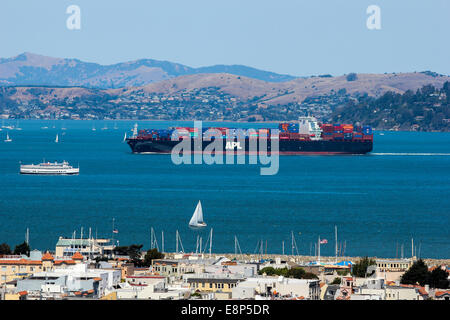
230	145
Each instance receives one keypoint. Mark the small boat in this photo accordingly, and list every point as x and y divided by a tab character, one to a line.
56	140
197	218
8	139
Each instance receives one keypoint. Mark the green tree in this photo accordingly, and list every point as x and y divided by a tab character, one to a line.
360	268
22	248
417	273
133	251
5	249
268	271
310	275
150	255
336	280
438	278
352	77
297	273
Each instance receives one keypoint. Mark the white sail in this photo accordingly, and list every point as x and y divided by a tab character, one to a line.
199	212
8	139
197	217
56	140
125	137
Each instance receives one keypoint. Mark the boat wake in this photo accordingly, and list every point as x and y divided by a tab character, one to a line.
410	154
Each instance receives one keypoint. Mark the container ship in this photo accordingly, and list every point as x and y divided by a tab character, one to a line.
306	136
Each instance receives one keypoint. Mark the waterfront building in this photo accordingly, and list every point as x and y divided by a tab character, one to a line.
89	248
392	269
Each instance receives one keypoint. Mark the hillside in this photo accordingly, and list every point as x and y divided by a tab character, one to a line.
427	109
38	70
222	96
294	91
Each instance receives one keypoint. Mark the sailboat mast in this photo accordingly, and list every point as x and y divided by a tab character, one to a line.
336	246
210	242
318	250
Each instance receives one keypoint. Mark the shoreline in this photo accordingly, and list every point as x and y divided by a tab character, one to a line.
304	259
192	120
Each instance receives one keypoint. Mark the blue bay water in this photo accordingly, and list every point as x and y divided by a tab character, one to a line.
377	201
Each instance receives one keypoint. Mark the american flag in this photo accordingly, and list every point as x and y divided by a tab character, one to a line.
115	231
323	241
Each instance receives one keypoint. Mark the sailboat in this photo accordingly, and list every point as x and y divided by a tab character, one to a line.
56	140
197	218
125	137
8	139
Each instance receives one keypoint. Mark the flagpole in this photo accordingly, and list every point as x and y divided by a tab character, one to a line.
112	232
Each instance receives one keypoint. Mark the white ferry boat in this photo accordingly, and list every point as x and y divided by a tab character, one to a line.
49	168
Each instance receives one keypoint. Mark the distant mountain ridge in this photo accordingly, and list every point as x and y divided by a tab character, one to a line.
33	69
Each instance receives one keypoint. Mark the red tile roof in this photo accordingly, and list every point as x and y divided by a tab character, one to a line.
77	256
422	291
23	293
58	262
21	262
47	257
441	293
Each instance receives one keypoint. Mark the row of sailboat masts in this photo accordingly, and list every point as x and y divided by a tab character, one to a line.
179	244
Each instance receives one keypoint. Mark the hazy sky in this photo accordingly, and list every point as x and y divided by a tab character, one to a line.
298	37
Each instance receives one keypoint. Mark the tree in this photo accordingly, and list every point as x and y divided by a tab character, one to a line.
438	278
268	271
417	273
297	273
360	268
310	275
336	280
5	249
133	251
150	255
22	248
352	77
